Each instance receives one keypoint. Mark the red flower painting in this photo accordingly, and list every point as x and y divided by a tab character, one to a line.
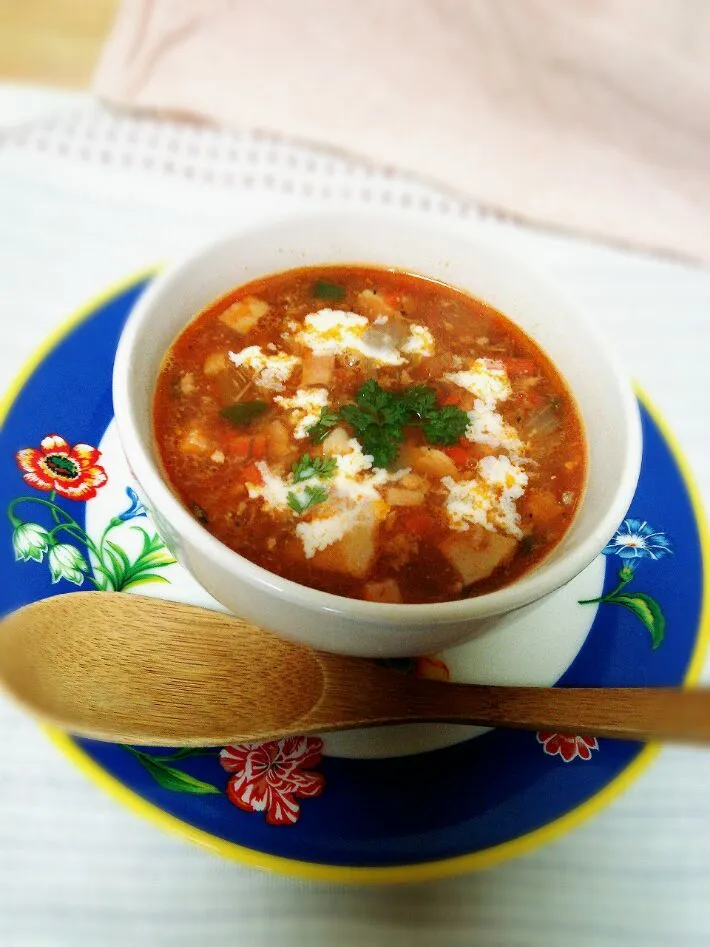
271	777
72	472
567	746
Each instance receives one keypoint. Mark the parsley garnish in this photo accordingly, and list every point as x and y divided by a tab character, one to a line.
419	400
379	417
324	289
243	412
306	467
312	496
445	425
320	430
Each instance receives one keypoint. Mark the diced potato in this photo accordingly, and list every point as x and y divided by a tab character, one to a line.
352	555
428	461
400	496
217	457
187	384
242	316
476	553
336	442
195	442
413	481
215	363
372	305
278	441
317	369
385	591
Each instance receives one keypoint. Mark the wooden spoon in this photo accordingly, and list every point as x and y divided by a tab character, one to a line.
130	669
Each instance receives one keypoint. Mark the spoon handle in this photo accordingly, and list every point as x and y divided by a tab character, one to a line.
138	670
630	713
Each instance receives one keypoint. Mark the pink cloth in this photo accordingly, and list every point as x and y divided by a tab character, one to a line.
592	116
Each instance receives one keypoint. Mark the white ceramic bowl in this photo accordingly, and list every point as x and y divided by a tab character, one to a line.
444	252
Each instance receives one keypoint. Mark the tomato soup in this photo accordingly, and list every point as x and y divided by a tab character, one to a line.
370	433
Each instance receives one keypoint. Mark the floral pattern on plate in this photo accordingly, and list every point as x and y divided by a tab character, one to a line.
268	777
633	542
74	474
567	746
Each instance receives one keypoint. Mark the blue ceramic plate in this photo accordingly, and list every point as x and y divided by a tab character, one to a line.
305	806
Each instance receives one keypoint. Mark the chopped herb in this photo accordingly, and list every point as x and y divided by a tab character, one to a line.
313	495
378	418
378	435
320	430
420	400
199	513
244	412
306	467
323	289
445	425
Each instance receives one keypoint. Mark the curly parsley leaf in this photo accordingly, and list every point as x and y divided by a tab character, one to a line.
445	425
312	496
419	400
321	429
306	467
383	406
378	434
378	418
370	395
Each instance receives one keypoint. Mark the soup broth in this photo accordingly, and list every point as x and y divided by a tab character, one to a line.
370	433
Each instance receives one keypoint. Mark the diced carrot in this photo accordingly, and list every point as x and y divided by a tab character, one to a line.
251	474
417	522
317	369
452	398
458	454
239	446
245	446
520	366
258	446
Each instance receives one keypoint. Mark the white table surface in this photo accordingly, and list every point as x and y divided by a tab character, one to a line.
75	869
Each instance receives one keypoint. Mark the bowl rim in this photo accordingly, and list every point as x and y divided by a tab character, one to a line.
530	587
